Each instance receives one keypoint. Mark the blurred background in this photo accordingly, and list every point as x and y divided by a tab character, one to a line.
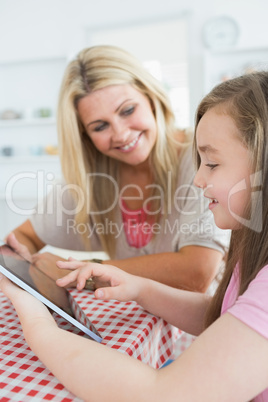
188	45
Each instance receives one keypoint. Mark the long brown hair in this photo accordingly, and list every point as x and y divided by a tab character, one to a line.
245	100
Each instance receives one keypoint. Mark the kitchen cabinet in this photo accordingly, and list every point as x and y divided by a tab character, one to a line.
222	65
28	164
24	181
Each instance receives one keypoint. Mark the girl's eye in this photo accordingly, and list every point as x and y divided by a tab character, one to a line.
211	165
128	111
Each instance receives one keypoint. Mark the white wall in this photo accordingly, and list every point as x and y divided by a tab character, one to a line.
33	29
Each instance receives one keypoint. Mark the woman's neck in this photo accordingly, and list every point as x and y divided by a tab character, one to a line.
134	184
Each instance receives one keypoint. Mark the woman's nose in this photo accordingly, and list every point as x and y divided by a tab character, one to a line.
120	132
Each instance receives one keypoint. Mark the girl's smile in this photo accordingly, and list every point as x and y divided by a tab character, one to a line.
213	203
224	172
120	122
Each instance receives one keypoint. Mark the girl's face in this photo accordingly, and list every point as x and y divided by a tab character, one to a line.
224	172
120	122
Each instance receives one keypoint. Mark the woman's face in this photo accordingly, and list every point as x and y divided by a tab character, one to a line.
120	122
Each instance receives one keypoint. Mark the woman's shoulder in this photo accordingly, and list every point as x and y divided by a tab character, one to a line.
183	139
186	160
183	136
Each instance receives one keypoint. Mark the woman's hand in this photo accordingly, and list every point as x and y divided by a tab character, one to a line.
12	241
46	262
121	285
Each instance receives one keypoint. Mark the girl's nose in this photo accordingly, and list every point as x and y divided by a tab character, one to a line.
199	179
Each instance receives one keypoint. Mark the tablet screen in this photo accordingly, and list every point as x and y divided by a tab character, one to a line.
34	278
29	277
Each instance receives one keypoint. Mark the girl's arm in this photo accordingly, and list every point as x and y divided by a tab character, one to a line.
192	267
228	362
180	308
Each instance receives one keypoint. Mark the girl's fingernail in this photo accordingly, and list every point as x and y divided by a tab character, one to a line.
99	293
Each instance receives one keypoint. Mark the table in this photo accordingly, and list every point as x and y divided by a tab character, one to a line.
123	326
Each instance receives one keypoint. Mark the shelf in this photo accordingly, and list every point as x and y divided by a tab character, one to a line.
19	62
226	64
44	121
28	86
29	159
236	51
3	197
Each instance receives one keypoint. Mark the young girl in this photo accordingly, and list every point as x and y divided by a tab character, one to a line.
128	186
228	361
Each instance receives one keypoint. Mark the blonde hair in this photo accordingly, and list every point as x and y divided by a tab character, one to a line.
95	68
245	100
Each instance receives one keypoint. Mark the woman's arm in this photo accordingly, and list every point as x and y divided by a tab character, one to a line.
192	268
25	241
228	362
25	236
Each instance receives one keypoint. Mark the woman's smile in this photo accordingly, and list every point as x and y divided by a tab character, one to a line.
131	145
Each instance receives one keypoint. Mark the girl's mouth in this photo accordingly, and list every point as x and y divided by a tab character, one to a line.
130	146
213	203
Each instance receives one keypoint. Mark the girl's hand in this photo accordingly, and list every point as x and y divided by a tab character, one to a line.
121	285
11	290
29	309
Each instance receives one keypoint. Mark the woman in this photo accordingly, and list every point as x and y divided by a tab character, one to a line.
128	179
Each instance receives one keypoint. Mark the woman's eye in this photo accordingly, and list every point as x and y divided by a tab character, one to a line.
101	127
128	111
211	165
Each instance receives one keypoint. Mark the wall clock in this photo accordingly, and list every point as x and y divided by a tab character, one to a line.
220	33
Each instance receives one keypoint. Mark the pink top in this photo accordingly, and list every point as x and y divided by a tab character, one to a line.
251	307
137	226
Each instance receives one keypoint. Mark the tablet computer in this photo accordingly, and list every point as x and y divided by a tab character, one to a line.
33	280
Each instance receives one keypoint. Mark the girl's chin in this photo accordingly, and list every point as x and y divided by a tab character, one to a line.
226	225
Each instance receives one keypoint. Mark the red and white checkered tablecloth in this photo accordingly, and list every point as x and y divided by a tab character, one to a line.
123	326
129	328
